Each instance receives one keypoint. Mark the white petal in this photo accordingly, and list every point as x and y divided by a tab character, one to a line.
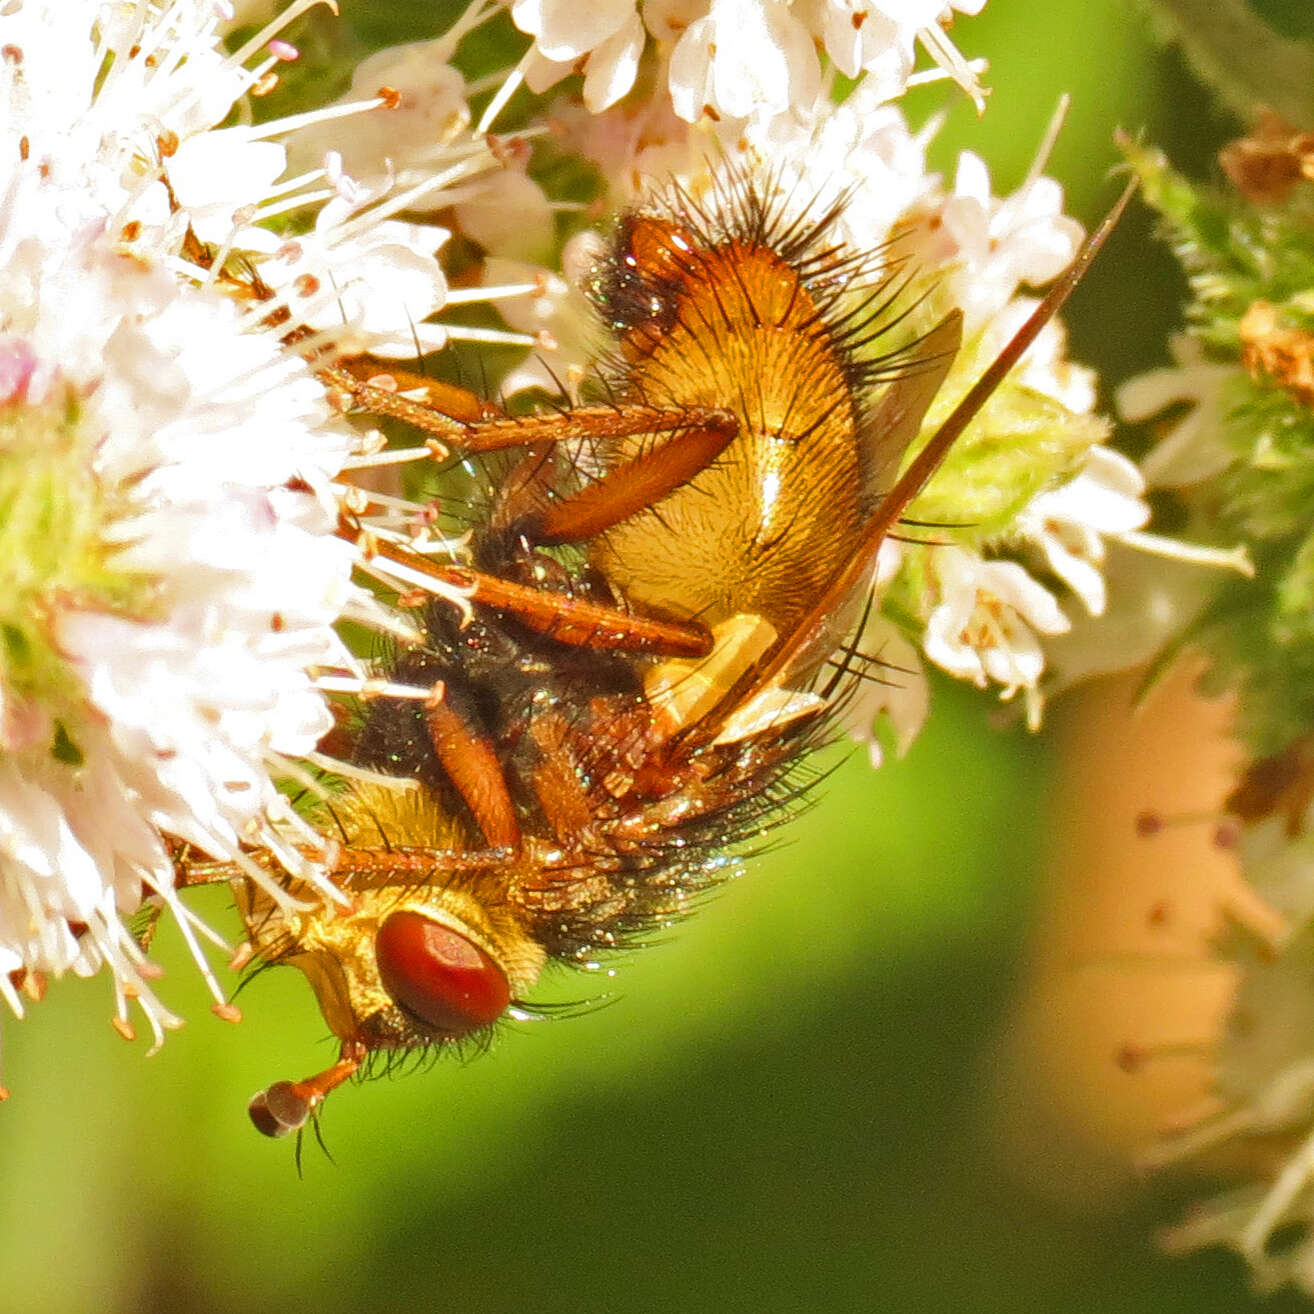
613	65
565	29
690	69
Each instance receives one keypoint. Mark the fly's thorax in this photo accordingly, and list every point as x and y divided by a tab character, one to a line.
764	529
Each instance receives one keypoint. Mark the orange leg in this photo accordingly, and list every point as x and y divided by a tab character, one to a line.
457	416
632	487
584	624
353	868
698	435
367	869
589	422
569	620
471	764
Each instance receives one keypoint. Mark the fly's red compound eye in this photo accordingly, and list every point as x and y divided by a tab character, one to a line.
437	974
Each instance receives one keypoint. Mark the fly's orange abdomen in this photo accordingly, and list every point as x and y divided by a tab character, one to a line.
733	324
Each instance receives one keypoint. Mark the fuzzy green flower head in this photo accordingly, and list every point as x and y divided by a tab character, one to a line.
1033	435
1245	470
53	547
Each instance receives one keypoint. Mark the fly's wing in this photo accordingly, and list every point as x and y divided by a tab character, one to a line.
888	431
797	654
896	420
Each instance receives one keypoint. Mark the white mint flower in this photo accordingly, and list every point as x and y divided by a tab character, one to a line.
606	38
984	627
891	698
97	127
166	620
1069	524
382	283
879	39
564	32
1195	448
863	147
738	59
612	64
991	245
744	57
405	146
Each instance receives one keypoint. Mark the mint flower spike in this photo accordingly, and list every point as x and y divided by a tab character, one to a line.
170	574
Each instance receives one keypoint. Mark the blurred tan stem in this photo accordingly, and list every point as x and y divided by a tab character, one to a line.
1111	1035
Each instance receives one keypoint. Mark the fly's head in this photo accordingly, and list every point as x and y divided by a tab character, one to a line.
418	957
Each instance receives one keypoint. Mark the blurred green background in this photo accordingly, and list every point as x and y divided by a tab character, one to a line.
782	1108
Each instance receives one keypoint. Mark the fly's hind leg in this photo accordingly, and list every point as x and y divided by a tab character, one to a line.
575	621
